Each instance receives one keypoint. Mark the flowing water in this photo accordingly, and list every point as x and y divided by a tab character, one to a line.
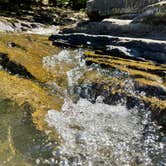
92	133
100	134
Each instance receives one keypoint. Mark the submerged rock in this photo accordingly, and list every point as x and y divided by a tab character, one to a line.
27	50
21	143
21	90
23	76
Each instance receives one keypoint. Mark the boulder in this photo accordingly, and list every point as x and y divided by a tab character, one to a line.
99	9
153	14
154	50
120	27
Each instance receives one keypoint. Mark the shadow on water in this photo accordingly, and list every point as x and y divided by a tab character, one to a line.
20	142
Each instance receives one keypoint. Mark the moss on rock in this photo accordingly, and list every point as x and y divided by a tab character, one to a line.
31	50
22	90
147	77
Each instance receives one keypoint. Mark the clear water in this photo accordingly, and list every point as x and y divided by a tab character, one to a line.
20	143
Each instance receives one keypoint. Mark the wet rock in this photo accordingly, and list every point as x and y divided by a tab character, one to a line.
160	116
143	48
150	90
11	44
13	67
14	45
111	97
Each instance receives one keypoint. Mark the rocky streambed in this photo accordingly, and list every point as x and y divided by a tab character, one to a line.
82	100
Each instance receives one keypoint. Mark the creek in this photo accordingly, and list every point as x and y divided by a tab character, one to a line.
93	128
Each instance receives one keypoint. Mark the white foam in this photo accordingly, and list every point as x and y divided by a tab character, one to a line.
97	133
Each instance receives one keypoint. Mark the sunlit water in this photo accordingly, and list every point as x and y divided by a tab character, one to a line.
92	133
100	134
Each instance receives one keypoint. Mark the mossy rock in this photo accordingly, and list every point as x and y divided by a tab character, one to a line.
22	90
146	77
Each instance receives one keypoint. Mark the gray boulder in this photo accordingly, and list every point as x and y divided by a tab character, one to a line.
99	9
154	14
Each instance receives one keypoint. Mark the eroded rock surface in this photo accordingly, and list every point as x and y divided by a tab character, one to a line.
143	48
153	14
98	9
120	27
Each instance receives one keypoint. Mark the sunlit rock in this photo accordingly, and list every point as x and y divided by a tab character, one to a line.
99	9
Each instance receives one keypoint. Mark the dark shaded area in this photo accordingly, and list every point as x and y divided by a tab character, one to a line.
95	16
13	67
49	12
32	13
154	51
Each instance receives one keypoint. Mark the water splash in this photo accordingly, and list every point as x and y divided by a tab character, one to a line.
101	134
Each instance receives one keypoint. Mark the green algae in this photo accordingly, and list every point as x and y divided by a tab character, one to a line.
29	52
144	74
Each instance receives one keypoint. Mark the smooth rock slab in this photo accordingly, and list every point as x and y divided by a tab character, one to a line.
119	27
143	48
153	14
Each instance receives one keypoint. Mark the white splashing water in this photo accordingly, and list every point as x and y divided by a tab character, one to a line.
98	134
69	57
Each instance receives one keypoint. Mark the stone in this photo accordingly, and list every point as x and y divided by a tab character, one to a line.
99	9
154	50
153	14
120	27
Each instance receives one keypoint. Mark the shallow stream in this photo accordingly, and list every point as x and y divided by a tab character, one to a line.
92	133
